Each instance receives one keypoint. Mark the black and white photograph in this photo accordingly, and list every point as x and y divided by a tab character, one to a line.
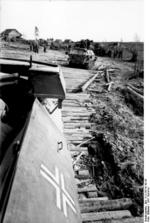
72	146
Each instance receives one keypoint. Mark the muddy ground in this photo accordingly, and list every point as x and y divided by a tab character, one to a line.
118	127
117	150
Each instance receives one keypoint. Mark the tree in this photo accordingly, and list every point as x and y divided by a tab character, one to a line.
136	38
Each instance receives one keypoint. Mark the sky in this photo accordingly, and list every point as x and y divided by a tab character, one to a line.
101	20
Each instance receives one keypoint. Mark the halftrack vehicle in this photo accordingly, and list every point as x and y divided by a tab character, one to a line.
81	57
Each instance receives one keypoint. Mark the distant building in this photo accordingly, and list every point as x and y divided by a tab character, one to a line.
10	35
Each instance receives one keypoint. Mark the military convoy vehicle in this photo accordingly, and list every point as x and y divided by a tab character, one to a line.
81	57
36	176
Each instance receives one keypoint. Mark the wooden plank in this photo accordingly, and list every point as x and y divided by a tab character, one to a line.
123	220
83	174
77	131
2	106
81	182
97	216
76	113
75	96
89	82
76	153
80	134
95	199
77	125
88	188
79	117
78	149
77	137
82	122
71	104
76	109
90	205
75	142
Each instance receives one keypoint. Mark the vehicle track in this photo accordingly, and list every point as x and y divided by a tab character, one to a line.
76	113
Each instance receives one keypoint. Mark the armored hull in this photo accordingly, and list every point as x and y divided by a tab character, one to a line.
82	58
37	180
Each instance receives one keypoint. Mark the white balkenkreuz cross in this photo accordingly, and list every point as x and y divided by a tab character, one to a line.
57	181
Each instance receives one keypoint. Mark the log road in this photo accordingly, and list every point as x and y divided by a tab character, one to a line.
76	112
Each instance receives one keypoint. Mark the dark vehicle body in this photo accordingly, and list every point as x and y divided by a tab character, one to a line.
81	57
37	180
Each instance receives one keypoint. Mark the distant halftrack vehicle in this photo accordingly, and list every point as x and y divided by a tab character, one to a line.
81	57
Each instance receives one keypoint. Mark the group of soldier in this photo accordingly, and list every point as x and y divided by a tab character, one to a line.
117	52
114	51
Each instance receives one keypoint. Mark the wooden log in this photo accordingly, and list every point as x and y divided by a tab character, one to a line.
71	136
107	77
126	220
75	138
83	174
74	109
77	125
98	205
79	96
74	132
99	216
89	82
77	133
72	105
89	188
81	196
135	94
95	199
78	121
76	153
113	69
76	118
94	91
78	149
135	89
76	113
75	142
69	110
82	182
86	141
76	128
77	159
109	85
122	220
2	106
92	194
